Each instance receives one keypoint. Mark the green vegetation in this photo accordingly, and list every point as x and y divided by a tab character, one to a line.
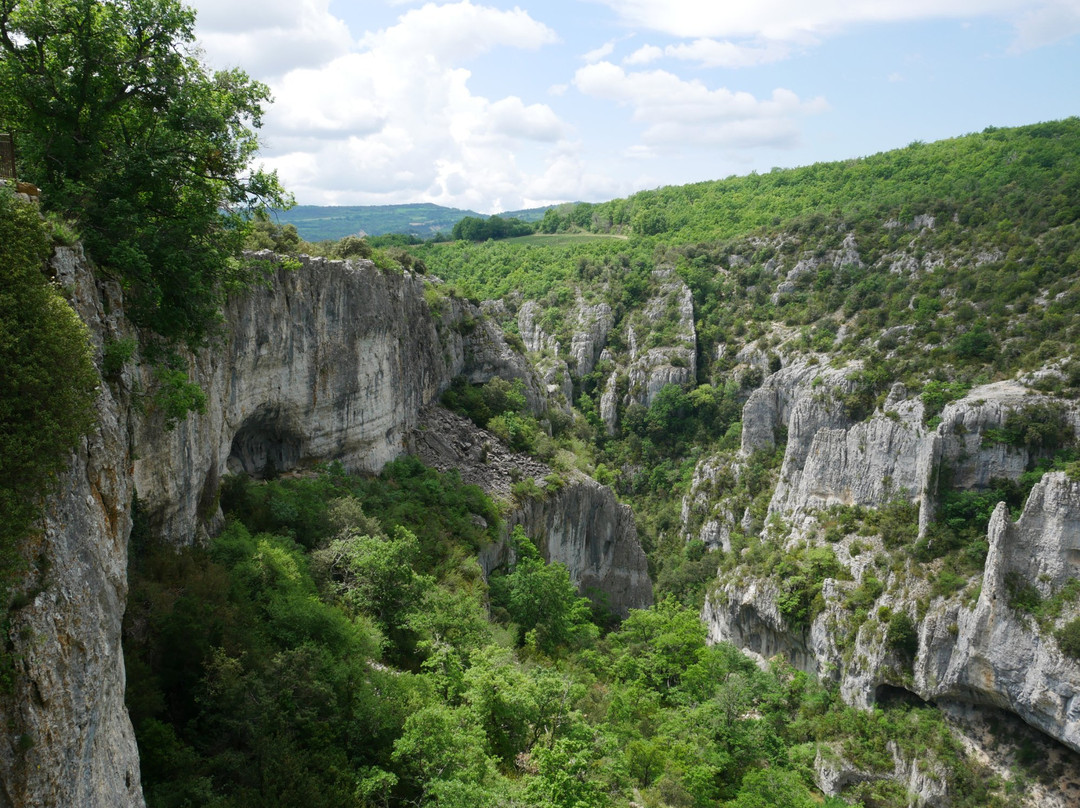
1039	428
329	223
473	228
338	643
333	647
47	382
925	178
498	405
131	136
1068	638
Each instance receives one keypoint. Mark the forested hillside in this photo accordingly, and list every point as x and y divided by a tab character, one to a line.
837	406
338	642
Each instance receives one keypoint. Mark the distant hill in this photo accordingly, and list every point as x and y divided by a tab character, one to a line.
321	222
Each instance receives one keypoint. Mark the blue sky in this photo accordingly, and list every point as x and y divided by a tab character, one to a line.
499	105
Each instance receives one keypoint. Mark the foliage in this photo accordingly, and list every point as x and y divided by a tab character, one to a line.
504	691
1068	637
902	636
254	677
266	234
544	605
1040	427
47	380
128	132
801	575
497	405
473	228
115	354
176	395
936	394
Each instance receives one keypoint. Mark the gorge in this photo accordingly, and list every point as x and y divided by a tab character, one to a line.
846	441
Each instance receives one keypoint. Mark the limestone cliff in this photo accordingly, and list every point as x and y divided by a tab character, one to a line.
975	646
68	740
577	522
331	361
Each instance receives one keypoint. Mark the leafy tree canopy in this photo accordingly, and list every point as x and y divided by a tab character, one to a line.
123	127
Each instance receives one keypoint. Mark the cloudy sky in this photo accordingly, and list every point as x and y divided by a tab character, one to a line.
494	106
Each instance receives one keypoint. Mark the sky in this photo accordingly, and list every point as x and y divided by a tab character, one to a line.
496	106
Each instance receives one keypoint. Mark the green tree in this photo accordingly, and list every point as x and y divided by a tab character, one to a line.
125	129
545	605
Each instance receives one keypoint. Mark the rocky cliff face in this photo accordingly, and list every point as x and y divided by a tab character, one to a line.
331	361
68	740
583	526
578	523
976	646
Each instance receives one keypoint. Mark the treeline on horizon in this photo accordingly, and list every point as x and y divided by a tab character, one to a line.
974	176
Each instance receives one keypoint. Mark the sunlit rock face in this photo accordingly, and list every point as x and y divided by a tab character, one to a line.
332	361
67	737
579	523
975	646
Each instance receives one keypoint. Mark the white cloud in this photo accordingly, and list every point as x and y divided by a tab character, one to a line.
1046	24
597	54
715	53
511	117
395	120
458	32
646	54
568	178
712	53
269	37
800	21
676	111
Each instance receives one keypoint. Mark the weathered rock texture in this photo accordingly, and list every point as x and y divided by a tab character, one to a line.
67	737
973	646
579	523
583	526
332	361
593	324
669	313
977	652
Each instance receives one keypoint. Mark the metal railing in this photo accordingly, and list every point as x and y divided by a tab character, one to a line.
7	155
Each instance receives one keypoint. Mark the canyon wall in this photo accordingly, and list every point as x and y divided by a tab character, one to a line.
329	361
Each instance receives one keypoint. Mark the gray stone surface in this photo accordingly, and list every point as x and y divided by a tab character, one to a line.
68	740
580	524
331	362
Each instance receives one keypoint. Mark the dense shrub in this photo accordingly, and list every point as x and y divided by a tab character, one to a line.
47	378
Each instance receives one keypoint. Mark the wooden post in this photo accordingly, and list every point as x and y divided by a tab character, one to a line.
7	155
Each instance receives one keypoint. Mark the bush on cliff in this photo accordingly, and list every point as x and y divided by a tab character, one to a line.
47	379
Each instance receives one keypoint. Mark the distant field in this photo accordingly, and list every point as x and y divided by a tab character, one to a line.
563	239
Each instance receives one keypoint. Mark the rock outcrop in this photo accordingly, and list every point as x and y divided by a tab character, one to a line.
577	522
332	361
1000	655
593	324
669	313
68	740
583	526
976	646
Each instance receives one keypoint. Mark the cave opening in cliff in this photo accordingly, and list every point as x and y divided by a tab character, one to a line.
892	696
266	444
